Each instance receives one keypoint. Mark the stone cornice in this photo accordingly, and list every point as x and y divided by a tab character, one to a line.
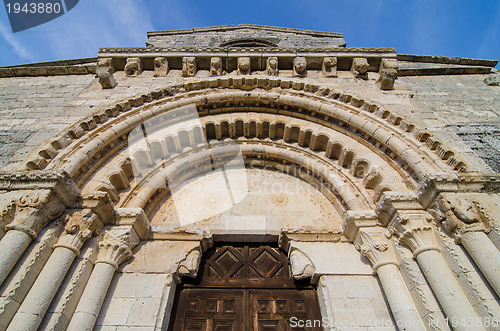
58	182
246	26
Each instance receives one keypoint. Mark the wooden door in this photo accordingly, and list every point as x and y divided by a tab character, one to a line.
243	287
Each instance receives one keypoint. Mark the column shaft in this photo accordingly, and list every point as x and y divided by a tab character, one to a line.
485	255
447	290
400	301
34	306
91	301
12	246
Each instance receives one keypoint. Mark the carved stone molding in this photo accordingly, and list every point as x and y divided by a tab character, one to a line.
80	226
188	66
360	67
190	264
105	73
215	66
244	66
414	229
116	244
329	66
133	67
272	66
161	67
375	243
299	66
301	265
29	211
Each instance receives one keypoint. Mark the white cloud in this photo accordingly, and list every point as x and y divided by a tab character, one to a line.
17	48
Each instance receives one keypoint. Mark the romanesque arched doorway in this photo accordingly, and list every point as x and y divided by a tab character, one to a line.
245	287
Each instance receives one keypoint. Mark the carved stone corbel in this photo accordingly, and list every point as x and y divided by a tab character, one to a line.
299	66
388	74
329	66
215	66
272	66
105	73
161	67
190	264
360	67
133	67
301	264
188	66
244	66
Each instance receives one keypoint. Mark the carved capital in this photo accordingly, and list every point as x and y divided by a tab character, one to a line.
188	66
414	229
161	67
104	73
375	243
360	67
215	66
302	266
189	266
244	65
299	66
329	67
116	244
272	66
463	214
133	67
31	210
80	226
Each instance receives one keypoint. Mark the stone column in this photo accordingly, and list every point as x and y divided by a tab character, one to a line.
114	248
81	226
414	229
376	245
467	219
485	255
30	211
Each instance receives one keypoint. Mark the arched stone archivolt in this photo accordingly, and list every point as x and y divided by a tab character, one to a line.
365	121
357	164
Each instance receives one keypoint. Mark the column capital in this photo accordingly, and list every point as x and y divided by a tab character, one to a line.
80	225
375	243
414	229
116	244
31	210
460	213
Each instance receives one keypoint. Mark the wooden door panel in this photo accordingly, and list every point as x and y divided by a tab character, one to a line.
244	288
211	309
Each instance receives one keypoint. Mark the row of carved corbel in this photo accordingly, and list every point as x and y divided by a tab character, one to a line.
359	68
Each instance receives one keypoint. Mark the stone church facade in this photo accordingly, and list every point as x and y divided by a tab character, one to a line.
238	177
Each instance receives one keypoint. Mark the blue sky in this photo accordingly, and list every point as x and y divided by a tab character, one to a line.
461	28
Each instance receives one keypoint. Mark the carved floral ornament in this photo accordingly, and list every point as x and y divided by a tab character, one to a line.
81	225
414	229
29	211
375	243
